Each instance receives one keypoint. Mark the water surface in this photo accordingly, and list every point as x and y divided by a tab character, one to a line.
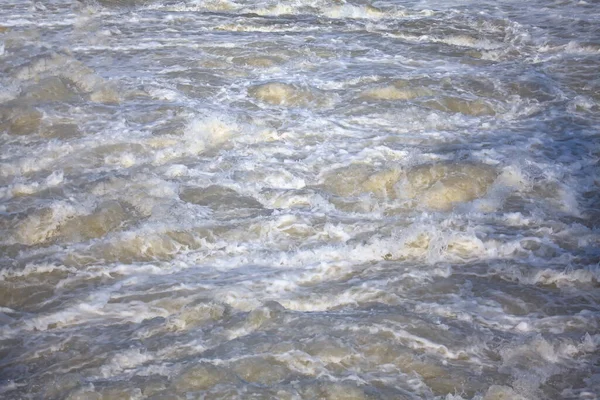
308	199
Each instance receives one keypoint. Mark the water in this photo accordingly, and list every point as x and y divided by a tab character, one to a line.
312	199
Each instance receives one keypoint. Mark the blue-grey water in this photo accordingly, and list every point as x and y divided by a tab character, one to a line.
305	199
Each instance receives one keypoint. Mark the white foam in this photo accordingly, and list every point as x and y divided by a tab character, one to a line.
412	177
200	134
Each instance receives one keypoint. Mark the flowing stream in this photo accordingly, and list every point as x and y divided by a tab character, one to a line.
304	199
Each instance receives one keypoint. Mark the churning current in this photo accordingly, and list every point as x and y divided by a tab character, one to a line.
305	199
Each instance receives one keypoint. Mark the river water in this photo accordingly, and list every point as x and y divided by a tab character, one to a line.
308	199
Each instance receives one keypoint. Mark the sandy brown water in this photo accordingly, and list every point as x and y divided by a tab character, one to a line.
212	199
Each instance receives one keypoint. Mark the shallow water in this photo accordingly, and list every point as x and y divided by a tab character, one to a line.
299	200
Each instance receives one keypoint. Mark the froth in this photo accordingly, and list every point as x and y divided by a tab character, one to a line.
298	200
200	135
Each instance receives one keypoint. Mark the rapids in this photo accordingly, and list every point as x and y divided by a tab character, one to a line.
304	199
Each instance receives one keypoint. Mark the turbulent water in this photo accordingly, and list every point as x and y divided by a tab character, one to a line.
307	199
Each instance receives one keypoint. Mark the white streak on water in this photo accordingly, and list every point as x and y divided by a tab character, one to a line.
299	200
